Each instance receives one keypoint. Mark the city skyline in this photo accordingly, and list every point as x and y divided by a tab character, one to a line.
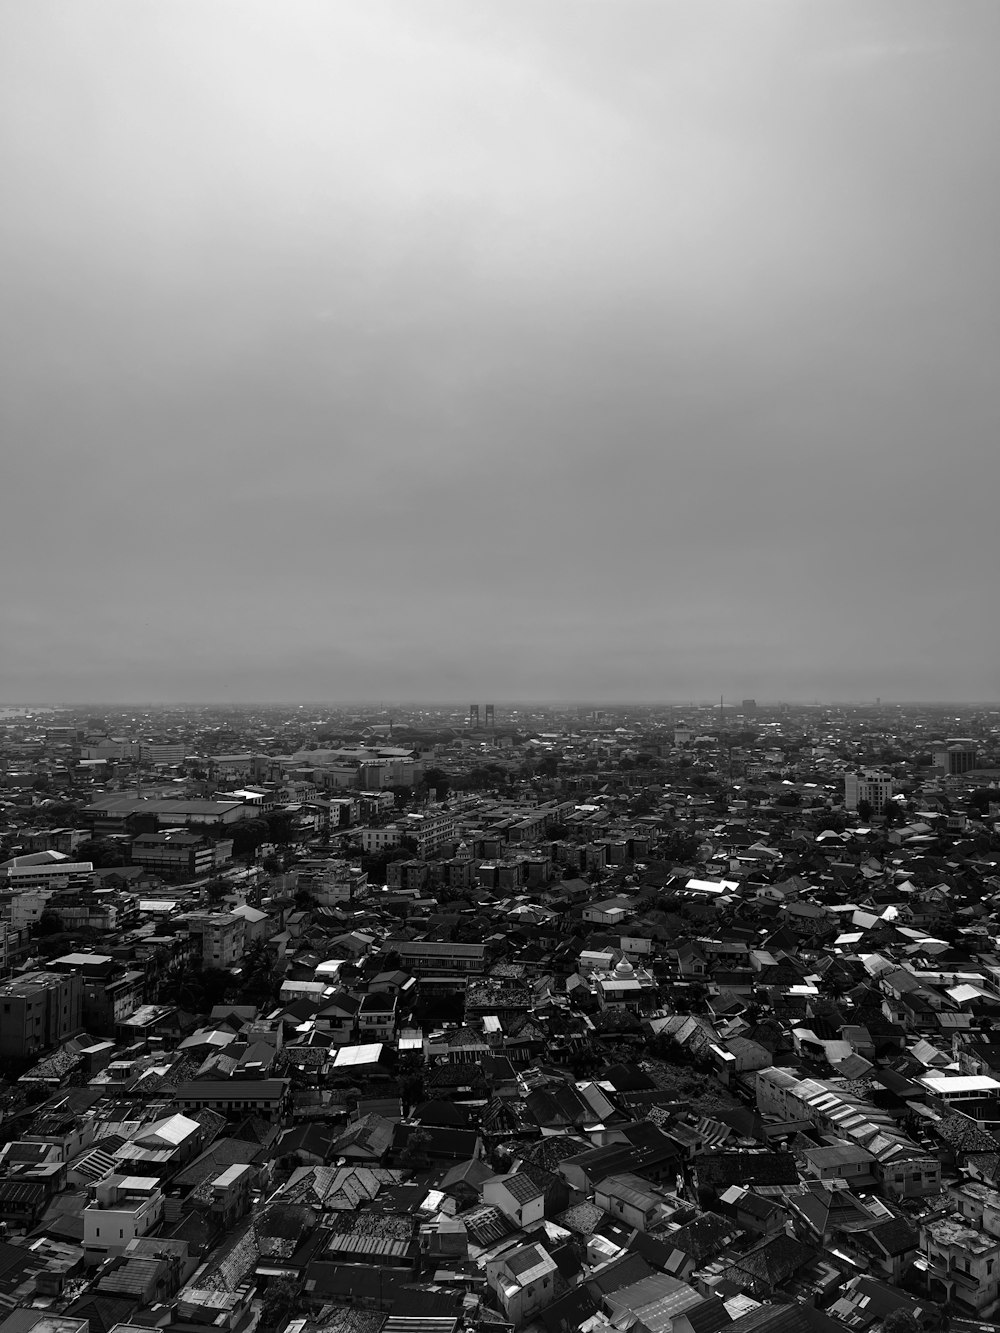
599	351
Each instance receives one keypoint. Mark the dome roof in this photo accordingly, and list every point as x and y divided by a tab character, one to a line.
624	968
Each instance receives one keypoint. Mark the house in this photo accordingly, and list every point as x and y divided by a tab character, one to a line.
525	1280
962	1265
608	912
338	1018
377	1016
121	1209
517	1196
632	1200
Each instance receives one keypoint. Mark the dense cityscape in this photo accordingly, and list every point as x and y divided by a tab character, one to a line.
422	1019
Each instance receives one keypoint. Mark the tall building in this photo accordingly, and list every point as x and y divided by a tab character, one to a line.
217	938
957	755
39	1011
491	717
473	717
432	828
875	788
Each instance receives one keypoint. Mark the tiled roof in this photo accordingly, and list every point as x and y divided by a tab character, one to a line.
765	1267
747	1168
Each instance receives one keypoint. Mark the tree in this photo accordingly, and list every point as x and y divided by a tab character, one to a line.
834	984
216	889
181	985
436	780
102	853
900	1320
414	1155
281	1302
259	979
938	1319
50	923
893	814
865	811
248	836
280	828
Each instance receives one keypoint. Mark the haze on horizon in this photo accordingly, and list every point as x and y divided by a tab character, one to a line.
536	350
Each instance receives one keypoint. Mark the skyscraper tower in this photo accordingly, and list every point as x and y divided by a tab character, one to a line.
491	717
473	717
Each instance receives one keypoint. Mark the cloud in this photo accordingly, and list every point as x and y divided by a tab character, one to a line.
611	350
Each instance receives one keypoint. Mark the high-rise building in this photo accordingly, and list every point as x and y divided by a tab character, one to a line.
957	755
491	717
874	788
474	717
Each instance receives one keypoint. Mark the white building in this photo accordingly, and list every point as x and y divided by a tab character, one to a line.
875	788
121	1209
379	839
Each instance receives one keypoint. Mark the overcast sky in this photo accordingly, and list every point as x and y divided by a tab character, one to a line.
521	350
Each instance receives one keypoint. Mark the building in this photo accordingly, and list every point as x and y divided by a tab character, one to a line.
962	1265
438	957
46	870
109	995
161	753
869	786
109	815
430	829
39	1011
902	1168
518	1197
179	854
379	839
630	1199
121	1209
524	1280
26	907
332	881
625	987
238	1097
377	1017
217	938
957	755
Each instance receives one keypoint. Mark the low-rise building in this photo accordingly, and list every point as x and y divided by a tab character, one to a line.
525	1282
39	1011
217	938
121	1209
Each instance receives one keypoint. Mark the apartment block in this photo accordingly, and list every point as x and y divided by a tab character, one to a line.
872	787
176	853
38	1011
217	938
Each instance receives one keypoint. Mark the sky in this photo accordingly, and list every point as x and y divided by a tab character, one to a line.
532	349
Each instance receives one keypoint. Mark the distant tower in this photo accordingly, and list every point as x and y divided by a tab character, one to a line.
473	717
491	717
